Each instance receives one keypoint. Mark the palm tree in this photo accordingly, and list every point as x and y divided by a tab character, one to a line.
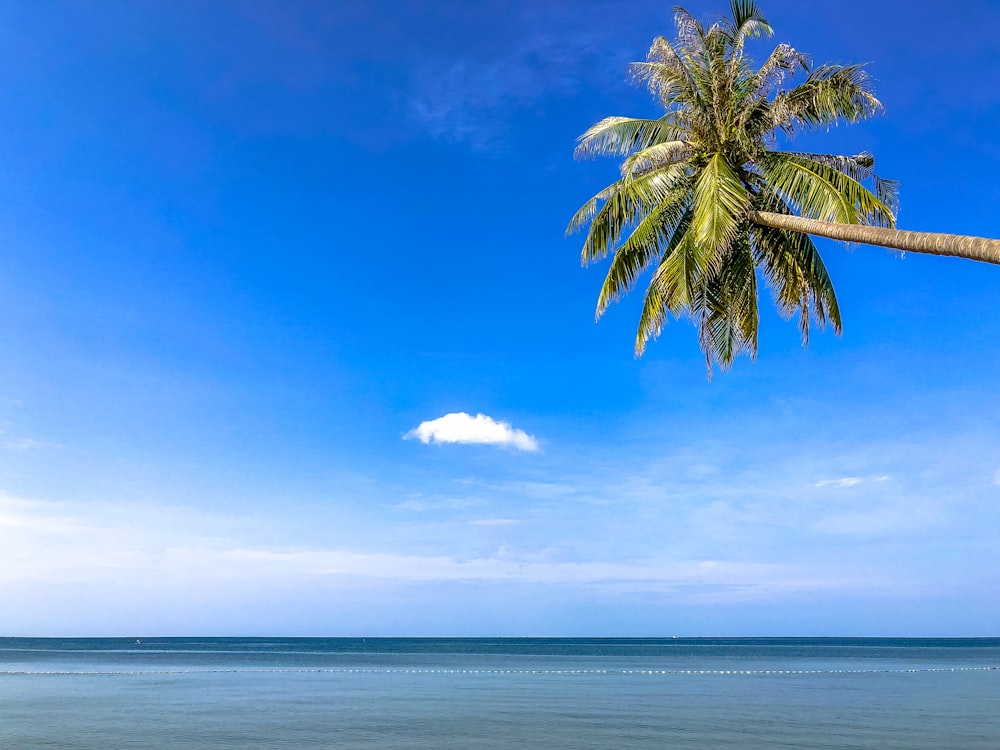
707	201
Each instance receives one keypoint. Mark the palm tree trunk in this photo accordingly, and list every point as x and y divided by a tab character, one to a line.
958	246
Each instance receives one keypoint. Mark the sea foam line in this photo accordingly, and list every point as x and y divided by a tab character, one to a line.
344	670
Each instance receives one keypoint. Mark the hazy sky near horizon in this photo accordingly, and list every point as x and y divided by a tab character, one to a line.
292	342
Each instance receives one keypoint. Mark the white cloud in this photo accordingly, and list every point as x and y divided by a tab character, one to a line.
420	504
460	427
852	481
19	445
494	522
754	580
841	482
154	549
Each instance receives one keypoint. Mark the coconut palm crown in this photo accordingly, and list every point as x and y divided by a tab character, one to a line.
704	191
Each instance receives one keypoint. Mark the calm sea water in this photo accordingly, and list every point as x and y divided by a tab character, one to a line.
487	694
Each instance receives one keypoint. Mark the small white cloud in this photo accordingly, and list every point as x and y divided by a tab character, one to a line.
841	482
460	427
494	521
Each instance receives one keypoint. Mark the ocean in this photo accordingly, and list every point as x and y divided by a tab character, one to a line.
499	693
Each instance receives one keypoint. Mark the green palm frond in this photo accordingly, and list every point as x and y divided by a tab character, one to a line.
690	33
860	167
815	196
644	246
823	192
830	94
672	286
664	73
720	200
747	22
625	205
619	136
717	45
589	209
782	62
730	316
655	157
799	280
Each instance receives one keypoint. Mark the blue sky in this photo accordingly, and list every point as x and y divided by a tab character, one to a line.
251	252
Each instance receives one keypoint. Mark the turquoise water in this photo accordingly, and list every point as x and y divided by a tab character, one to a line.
500	693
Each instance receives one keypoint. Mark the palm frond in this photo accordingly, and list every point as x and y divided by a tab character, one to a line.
625	206
830	94
620	136
690	32
860	167
720	200
671	287
797	276
747	23
781	63
814	196
665	74
655	157
822	192
643	247
718	57
730	318
587	211
692	47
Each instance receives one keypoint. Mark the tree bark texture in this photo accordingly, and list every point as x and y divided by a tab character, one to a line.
932	243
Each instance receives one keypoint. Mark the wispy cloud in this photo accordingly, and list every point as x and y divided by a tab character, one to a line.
57	559
164	547
20	445
841	482
460	427
470	99
852	481
685	577
419	503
